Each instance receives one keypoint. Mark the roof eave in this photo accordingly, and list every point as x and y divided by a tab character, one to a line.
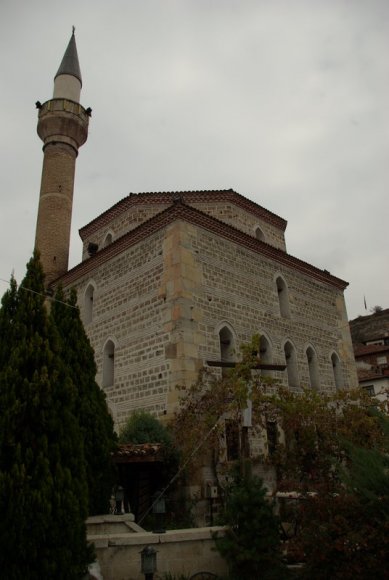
178	211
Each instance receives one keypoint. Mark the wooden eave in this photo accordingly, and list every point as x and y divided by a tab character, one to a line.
181	211
188	197
138	453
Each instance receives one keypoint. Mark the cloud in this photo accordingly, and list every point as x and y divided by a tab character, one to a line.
285	102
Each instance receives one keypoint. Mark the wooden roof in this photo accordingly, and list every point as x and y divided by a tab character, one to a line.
179	210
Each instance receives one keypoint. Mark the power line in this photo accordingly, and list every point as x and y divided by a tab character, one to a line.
180	470
45	296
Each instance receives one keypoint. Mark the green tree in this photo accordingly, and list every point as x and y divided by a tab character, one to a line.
91	407
367	477
212	398
342	540
331	452
251	543
345	534
7	317
43	494
335	456
142	427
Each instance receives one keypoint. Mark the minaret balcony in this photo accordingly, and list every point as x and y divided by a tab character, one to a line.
64	121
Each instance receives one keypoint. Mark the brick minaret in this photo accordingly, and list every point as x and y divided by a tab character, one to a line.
63	128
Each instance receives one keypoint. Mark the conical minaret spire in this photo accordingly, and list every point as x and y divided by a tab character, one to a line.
68	81
63	128
69	64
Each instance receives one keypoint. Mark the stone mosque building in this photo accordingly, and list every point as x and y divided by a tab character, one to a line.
169	281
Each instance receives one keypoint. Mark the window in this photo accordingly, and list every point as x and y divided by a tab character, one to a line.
232	439
108	364
272	436
369	390
265	354
283	299
259	234
337	370
381	360
107	240
88	303
313	368
227	343
291	364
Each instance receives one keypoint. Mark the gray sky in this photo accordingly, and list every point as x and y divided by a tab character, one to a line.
284	101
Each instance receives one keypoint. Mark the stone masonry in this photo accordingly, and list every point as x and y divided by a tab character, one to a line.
181	267
172	280
63	127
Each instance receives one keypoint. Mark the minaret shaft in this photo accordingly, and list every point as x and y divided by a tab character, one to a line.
55	209
63	128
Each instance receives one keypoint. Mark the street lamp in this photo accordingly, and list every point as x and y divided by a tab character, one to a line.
148	562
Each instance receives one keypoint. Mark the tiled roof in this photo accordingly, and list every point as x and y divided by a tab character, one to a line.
370	374
135	453
370	327
181	211
363	349
188	197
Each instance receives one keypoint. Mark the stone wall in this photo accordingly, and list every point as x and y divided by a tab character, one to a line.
142	208
225	284
244	221
163	301
178	552
128	309
121	224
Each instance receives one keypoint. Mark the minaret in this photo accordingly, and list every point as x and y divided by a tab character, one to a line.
63	128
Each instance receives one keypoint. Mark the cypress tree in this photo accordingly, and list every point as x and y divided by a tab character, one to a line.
92	412
43	494
251	544
7	316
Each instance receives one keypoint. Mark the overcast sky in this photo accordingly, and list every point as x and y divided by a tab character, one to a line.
287	102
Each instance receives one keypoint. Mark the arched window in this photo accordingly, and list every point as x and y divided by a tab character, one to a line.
272	436
337	370
313	368
232	439
265	354
291	364
227	346
88	303
259	234
283	299
108	239
108	364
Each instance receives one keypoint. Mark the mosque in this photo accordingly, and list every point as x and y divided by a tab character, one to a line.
171	282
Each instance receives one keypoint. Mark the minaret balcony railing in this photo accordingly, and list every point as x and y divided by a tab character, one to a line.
64	105
63	121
